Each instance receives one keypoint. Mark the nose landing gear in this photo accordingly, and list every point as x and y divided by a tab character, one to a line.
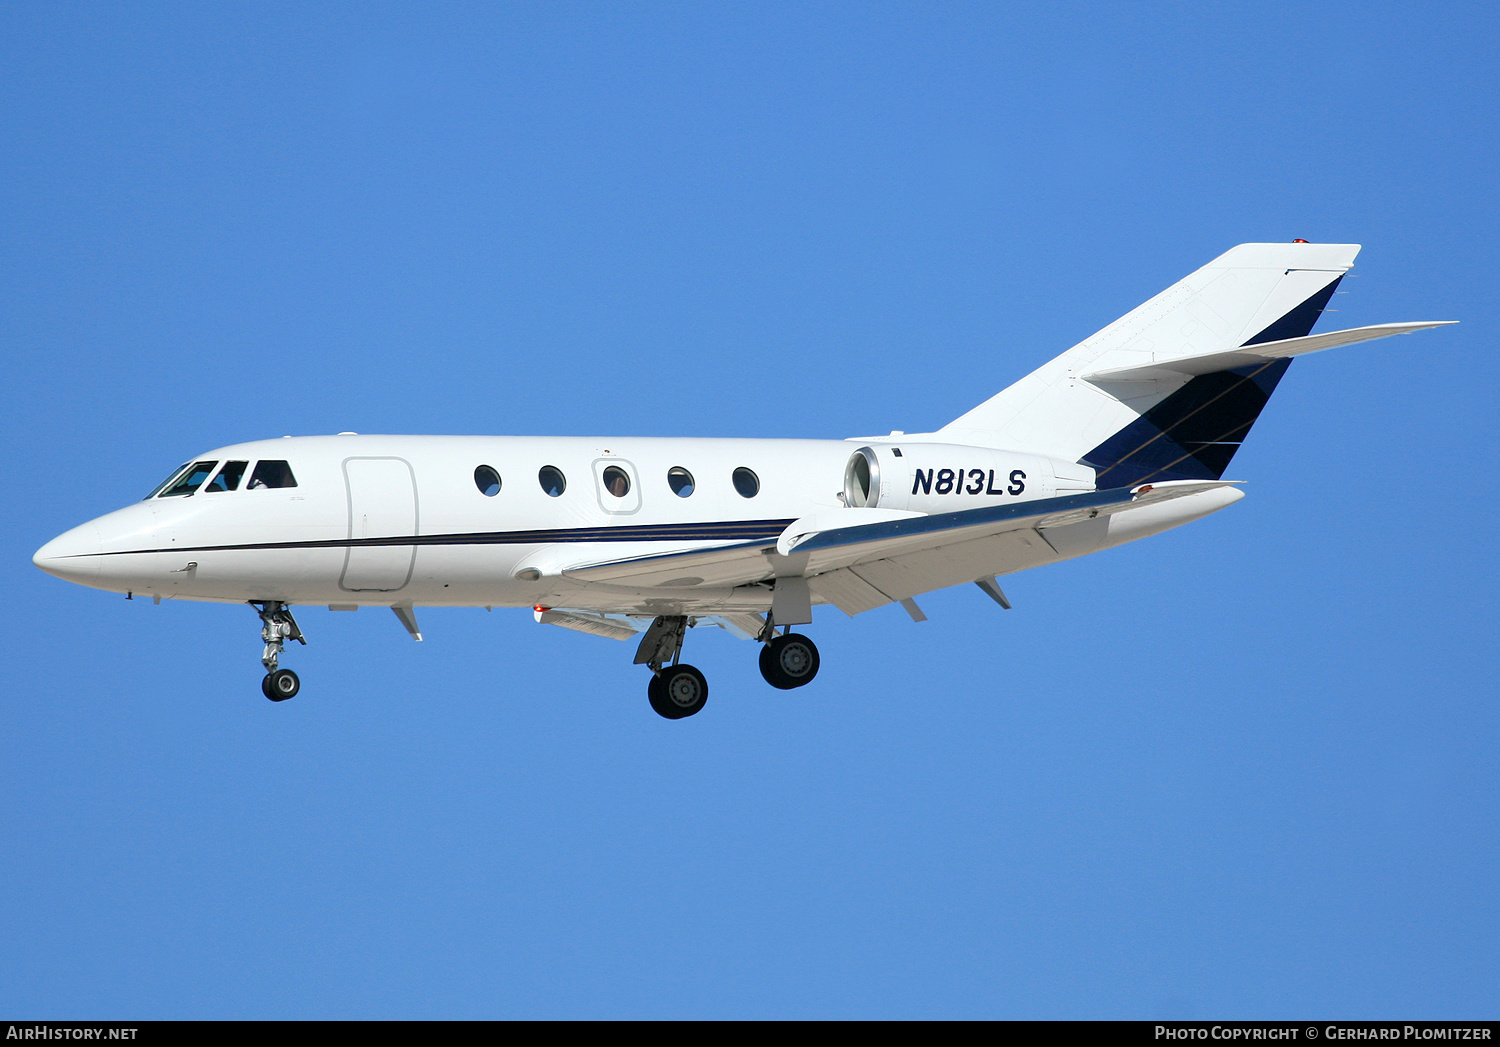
277	626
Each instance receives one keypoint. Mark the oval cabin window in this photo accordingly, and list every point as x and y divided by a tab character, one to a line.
487	480
616	482
746	482
552	480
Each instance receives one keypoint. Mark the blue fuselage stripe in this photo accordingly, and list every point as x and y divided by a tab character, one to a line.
732	530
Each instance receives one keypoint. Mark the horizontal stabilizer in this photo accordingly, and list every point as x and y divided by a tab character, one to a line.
1258	353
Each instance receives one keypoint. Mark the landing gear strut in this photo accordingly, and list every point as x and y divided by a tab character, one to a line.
675	690
789	660
277	626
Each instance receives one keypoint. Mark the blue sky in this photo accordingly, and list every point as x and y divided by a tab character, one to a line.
1245	769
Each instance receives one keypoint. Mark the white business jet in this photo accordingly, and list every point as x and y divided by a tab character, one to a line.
1125	435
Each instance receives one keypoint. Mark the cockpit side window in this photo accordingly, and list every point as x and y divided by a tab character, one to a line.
168	481
189	480
228	478
271	474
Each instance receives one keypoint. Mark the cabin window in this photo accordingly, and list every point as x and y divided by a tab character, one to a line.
228	478
552	480
746	482
616	482
189	480
487	480
271	474
680	480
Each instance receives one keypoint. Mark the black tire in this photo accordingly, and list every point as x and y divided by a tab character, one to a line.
789	661
677	691
281	685
658	698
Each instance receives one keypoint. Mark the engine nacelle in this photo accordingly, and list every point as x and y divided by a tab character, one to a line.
941	478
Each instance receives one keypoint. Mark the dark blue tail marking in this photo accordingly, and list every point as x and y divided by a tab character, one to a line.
1192	434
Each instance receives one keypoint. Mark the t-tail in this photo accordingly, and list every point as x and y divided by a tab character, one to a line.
1170	390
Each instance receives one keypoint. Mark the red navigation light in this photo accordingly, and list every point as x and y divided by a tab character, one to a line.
1299	241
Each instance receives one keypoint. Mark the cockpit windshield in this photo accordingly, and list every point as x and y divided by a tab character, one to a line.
187	480
159	488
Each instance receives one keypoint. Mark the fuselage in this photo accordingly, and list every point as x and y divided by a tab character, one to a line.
356	520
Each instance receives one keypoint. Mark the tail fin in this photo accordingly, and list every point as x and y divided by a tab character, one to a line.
1143	420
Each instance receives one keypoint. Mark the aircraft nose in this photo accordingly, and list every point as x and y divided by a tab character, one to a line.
72	555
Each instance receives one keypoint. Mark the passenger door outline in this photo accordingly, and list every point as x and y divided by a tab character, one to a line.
377	487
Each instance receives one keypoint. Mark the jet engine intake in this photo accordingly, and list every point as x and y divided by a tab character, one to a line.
862	479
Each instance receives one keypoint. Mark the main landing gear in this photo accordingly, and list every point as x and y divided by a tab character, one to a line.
786	661
789	660
675	690
277	626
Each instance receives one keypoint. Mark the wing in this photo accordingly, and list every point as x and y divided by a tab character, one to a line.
866	565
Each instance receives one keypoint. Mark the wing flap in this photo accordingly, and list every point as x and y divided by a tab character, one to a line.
847	591
903	576
588	622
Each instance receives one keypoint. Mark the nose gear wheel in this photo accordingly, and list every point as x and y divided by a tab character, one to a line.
280	685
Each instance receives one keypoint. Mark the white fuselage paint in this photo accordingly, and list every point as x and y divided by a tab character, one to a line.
311	544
